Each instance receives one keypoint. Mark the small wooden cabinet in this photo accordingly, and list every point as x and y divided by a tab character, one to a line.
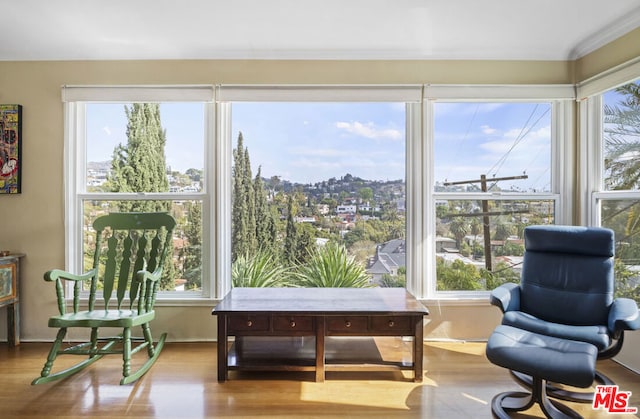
10	294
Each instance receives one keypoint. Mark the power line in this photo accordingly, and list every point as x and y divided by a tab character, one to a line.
521	136
502	159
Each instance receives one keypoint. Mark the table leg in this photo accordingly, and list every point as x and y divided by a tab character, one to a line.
320	355
13	324
418	346
223	349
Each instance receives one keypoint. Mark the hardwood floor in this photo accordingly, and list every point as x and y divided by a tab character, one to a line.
458	383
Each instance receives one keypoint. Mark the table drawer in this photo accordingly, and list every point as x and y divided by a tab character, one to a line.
293	323
390	324
248	323
347	324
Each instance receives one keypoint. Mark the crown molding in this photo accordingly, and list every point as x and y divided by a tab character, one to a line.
610	33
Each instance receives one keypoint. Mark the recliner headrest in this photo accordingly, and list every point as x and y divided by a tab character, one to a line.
589	241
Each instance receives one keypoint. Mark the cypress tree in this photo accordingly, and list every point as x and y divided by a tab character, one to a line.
193	233
140	165
290	241
264	219
305	244
253	226
272	228
239	231
251	245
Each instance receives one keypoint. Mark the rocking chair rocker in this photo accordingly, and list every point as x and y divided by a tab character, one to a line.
131	250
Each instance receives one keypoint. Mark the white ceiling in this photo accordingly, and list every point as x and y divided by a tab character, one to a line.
310	29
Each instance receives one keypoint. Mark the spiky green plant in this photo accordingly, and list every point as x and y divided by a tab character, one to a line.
259	270
329	267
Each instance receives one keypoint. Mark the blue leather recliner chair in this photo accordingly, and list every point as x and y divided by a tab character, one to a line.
566	292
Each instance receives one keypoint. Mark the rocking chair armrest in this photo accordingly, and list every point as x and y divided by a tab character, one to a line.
142	275
147	282
624	315
56	274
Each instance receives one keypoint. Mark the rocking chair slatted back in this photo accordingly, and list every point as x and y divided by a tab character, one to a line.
131	243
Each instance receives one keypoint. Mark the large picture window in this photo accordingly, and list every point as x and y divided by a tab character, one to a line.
318	181
319	194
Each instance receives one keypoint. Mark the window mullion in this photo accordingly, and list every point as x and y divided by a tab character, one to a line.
592	142
221	211
417	281
563	160
75	170
428	234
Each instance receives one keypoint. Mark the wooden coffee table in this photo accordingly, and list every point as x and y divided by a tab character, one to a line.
270	325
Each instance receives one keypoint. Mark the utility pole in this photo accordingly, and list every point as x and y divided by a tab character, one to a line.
485	212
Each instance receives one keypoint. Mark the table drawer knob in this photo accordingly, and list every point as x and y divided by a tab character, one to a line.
391	323
292	323
249	323
347	323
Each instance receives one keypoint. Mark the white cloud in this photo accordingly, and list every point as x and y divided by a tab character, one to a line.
107	130
543	132
533	139
486	129
369	130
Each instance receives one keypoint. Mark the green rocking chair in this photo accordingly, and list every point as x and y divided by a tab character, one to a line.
130	252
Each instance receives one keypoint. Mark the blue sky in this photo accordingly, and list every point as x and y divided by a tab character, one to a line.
494	139
183	122
311	142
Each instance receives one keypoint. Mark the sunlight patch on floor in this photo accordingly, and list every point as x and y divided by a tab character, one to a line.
381	394
469	348
475	399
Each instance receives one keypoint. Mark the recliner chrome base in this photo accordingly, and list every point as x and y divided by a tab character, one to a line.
556	392
516	401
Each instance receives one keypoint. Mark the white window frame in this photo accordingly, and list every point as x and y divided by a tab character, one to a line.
561	98
75	99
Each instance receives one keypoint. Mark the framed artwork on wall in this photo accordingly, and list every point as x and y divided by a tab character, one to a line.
10	149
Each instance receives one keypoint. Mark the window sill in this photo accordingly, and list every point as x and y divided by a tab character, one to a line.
460	301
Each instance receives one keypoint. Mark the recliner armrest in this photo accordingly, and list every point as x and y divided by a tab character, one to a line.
624	315
506	297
